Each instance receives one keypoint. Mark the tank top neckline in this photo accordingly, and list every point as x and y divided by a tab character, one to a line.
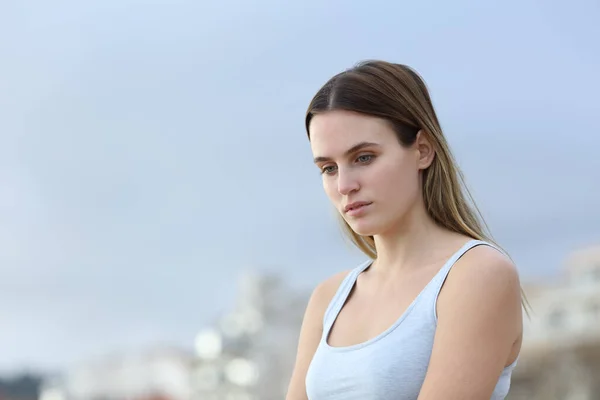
350	282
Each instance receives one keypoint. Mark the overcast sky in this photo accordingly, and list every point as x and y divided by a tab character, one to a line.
151	150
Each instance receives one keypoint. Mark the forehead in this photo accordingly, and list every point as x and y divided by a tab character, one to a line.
335	131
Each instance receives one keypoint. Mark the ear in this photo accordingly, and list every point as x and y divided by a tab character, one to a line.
425	149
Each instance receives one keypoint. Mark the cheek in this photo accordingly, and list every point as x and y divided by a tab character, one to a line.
398	184
330	188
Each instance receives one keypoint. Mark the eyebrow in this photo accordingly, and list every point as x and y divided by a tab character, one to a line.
351	150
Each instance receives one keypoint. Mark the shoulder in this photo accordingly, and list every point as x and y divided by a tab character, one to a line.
483	280
485	267
321	297
324	292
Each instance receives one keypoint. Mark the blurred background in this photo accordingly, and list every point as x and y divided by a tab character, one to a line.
162	224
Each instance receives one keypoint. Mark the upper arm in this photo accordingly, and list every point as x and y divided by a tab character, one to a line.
479	320
310	334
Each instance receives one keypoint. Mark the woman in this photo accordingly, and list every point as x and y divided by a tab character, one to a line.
435	314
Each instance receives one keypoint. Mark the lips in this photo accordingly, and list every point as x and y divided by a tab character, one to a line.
356	205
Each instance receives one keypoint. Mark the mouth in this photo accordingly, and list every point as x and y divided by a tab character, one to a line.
352	207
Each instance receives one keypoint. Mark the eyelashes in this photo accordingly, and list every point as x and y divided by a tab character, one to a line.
363	159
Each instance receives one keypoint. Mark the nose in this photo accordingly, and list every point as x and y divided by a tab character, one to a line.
347	182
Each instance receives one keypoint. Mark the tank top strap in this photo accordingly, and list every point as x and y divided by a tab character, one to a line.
336	304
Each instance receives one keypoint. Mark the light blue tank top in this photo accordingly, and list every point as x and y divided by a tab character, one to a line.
392	365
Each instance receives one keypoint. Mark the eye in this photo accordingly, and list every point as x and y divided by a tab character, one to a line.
365	158
328	169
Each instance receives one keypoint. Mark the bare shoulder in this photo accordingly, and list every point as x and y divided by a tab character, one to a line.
323	293
320	298
485	269
483	281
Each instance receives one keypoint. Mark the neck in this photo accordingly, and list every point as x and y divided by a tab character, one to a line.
415	241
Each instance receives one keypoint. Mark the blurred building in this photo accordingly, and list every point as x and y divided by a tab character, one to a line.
247	355
250	352
154	374
560	358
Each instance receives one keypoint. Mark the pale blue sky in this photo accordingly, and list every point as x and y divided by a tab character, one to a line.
151	150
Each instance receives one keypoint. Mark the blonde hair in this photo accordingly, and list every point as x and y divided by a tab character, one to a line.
396	93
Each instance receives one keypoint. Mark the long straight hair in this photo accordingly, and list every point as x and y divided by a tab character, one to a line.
396	93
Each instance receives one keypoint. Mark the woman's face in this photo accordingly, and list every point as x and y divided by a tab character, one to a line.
370	178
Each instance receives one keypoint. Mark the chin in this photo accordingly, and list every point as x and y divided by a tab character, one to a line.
365	228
